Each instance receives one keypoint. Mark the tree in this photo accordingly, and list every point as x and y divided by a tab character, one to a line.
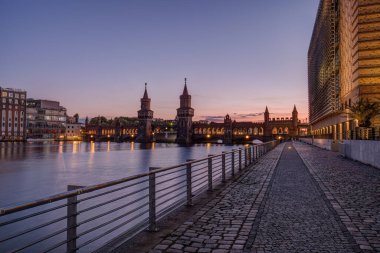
364	111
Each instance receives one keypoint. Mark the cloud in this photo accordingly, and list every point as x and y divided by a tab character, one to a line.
246	115
215	118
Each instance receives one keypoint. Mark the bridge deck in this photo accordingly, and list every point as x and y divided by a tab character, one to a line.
282	204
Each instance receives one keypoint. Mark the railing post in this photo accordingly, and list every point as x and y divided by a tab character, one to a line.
239	159
233	163
223	167
249	155
71	245
152	200
209	172
245	160
188	184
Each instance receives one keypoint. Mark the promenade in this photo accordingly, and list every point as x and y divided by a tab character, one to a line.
297	198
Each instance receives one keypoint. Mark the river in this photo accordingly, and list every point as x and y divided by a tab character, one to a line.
29	171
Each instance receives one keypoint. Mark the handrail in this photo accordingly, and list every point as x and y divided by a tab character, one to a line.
87	189
197	178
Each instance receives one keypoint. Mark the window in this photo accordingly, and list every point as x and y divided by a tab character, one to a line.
4	94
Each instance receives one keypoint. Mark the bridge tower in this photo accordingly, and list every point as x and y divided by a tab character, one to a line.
295	121
227	130
145	116
267	128
185	118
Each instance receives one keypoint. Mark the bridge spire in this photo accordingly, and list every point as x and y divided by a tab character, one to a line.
185	92
145	92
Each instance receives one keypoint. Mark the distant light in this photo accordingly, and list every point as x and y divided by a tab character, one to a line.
92	136
208	136
61	136
108	136
247	137
132	135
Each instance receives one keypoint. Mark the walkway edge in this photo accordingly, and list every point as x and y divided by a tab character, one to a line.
258	205
355	233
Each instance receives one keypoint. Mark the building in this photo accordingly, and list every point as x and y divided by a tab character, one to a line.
184	118
45	119
12	114
343	64
73	130
145	116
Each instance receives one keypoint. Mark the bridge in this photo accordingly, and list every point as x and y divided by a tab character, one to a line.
184	130
284	197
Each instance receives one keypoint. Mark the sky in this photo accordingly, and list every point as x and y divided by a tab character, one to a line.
95	56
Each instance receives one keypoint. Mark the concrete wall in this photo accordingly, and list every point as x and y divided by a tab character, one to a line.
364	151
322	143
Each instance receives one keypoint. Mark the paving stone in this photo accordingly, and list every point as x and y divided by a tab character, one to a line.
352	187
294	215
332	208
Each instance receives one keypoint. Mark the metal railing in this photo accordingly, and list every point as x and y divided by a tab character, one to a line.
86	218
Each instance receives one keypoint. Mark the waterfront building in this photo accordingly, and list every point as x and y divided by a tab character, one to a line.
73	130
343	65
145	116
184	118
46	119
12	114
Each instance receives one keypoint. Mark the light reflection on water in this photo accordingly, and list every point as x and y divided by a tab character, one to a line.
29	171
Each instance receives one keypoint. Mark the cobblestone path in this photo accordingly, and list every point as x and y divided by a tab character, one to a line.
353	189
296	217
223	225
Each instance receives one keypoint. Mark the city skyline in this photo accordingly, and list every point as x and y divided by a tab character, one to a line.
95	58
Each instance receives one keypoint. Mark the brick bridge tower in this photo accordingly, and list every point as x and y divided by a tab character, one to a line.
295	122
227	130
267	129
145	116
184	118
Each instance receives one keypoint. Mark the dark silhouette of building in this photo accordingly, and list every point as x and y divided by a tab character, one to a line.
185	118
145	116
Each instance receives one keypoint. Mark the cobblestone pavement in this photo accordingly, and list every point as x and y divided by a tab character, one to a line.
295	216
353	189
223	225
